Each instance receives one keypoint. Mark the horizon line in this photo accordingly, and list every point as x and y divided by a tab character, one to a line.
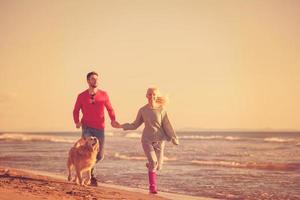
178	130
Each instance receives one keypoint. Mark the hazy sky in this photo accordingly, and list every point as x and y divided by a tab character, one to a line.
223	64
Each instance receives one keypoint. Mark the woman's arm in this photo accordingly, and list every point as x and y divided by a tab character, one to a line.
134	125
168	129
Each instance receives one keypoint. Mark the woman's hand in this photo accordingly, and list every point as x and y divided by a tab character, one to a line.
175	141
116	124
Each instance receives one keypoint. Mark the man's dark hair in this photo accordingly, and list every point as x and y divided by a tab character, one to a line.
91	74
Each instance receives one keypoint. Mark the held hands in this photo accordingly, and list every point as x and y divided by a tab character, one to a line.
116	124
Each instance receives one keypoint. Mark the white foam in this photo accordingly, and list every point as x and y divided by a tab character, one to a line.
110	134
215	163
125	157
169	158
133	135
213	137
28	137
232	138
250	165
275	139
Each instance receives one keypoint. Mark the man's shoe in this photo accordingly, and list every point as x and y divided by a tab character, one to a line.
94	181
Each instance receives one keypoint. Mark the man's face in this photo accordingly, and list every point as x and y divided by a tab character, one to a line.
93	81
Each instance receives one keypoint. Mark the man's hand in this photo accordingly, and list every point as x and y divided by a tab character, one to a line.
78	125
115	124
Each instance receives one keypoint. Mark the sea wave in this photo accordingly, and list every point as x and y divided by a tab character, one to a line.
137	157
133	135
197	137
126	157
28	137
250	165
277	139
235	138
110	134
212	137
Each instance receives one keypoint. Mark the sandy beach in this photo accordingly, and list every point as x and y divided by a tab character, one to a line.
17	184
28	185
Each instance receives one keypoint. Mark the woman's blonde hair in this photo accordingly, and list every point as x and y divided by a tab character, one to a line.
160	100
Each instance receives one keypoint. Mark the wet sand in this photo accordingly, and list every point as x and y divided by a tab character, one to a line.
17	184
29	185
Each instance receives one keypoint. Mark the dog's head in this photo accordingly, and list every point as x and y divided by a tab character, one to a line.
92	143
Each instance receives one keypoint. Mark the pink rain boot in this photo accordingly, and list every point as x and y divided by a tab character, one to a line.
152	182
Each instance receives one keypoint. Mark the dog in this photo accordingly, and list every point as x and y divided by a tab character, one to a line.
82	158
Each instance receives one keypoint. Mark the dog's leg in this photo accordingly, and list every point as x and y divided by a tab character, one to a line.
75	179
70	166
88	181
79	176
81	181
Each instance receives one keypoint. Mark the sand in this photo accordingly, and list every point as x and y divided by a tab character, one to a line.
29	185
17	184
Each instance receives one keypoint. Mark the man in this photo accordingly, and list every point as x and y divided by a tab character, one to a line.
91	102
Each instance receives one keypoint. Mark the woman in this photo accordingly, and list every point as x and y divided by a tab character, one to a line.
158	129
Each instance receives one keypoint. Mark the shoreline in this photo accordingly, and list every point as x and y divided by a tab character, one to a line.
29	184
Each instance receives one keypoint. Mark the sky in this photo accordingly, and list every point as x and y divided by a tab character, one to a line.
223	64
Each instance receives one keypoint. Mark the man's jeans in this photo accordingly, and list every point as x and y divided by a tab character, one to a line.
98	133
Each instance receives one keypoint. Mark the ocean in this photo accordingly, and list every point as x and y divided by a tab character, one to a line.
225	165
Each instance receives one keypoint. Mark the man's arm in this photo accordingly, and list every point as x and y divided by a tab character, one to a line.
76	110
111	112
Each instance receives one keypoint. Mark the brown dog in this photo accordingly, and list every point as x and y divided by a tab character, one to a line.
82	157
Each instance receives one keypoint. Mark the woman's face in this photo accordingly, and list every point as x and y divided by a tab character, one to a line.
152	95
